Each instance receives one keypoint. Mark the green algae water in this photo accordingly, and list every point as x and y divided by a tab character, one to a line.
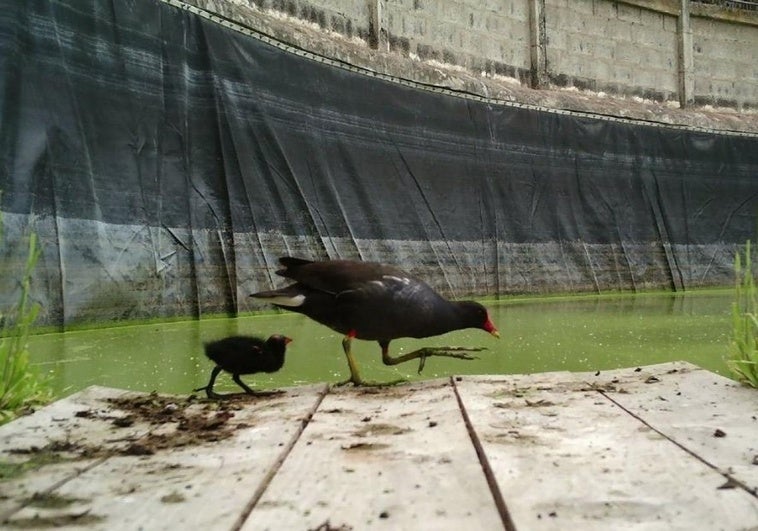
587	333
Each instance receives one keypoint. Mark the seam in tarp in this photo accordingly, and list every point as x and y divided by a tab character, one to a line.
268	39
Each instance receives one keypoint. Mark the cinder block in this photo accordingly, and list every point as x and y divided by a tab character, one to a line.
603	48
576	20
624	53
622	74
476	21
604	11
628	13
667	80
644	77
519	11
519	34
493	23
489	5
654	38
619	30
554	17
556	40
651	19
582	6
670	23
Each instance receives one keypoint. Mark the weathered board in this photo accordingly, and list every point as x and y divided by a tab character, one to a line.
395	458
48	436
216	478
711	416
566	457
663	447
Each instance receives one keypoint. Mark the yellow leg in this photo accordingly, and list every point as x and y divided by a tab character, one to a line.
355	376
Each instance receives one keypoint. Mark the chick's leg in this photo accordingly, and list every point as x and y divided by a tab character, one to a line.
236	378
209	388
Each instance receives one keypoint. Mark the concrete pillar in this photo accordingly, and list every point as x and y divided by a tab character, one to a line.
685	56
377	34
537	44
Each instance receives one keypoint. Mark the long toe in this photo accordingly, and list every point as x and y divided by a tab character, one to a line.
461	349
365	384
357	382
461	353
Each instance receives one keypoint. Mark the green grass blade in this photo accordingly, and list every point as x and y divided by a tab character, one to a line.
20	386
743	355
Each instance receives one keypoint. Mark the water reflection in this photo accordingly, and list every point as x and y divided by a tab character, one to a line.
575	334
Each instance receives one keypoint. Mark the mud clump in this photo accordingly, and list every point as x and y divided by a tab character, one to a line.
195	422
51	522
167	422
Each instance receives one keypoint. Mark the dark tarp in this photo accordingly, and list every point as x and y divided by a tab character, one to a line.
166	160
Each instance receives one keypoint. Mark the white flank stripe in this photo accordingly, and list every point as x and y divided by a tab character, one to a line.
297	300
403	280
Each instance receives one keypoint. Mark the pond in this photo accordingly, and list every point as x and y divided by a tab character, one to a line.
583	333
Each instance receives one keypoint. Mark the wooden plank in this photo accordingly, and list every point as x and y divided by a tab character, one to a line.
618	450
58	431
204	486
712	416
396	458
54	420
566	457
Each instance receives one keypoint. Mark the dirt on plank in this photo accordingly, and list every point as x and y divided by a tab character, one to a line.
169	422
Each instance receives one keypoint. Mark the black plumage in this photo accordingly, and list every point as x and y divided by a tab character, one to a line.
244	355
372	301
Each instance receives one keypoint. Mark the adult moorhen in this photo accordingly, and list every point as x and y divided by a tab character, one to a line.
373	301
244	355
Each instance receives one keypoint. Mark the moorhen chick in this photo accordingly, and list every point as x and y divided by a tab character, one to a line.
244	355
372	301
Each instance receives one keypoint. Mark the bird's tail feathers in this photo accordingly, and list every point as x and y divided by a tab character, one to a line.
290	262
281	297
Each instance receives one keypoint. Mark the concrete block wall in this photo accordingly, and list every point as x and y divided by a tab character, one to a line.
490	36
348	17
725	63
631	47
611	47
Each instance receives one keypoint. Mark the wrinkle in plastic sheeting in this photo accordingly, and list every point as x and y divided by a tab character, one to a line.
426	209
168	165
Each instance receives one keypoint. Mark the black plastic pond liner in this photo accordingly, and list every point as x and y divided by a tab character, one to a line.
167	160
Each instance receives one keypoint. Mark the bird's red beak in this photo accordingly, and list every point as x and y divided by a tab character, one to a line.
489	326
287	341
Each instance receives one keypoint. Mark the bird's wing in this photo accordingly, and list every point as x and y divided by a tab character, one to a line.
337	276
390	289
